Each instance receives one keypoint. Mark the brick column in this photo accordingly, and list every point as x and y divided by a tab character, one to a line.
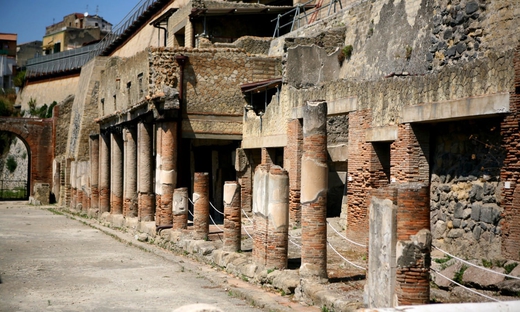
94	172
278	218
510	171
292	163
104	173
244	176
130	176
314	191
201	205
413	244
358	176
158	166
180	208
232	217
146	194
168	171
260	214
116	173
67	194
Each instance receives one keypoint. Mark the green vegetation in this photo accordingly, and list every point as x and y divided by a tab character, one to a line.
19	79
11	164
44	111
458	275
345	53
510	267
409	50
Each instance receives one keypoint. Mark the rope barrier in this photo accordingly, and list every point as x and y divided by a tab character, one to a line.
215	208
345	259
215	224
472	290
474	265
243	211
251	237
299	246
349	240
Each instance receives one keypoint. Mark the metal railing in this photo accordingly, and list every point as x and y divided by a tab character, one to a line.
299	13
13	189
76	58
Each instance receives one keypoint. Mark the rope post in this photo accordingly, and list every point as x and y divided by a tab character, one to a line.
232	217
201	205
180	208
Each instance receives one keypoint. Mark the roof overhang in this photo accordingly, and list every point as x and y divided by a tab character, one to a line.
260	86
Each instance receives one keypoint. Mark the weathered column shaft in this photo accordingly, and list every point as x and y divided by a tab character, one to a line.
292	163
201	205
104	173
168	173
158	166
260	214
145	174
244	175
413	244
130	176
278	218
94	172
314	190
232	217
180	208
116	174
73	189
84	186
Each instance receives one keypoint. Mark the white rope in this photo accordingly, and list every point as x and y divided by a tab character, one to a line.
215	223
345	259
243	211
295	243
208	215
474	265
473	291
251	237
349	240
215	208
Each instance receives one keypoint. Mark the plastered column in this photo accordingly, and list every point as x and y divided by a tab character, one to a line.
84	186
130	170
116	173
232	217
413	244
146	195
278	218
73	187
104	173
180	208
201	205
314	191
94	172
244	175
168	171
260	214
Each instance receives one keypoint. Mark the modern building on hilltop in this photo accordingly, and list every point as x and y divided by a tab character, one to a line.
7	59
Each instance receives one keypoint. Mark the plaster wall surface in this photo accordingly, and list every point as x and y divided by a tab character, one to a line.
45	92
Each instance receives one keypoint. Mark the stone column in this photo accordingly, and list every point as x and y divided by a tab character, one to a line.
116	173
84	186
104	173
145	174
413	244
201	205
260	214
278	218
292	163
130	176
180	208
232	217
67	194
168	171
94	172
314	191
158	166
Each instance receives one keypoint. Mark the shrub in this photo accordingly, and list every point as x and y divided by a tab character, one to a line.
11	164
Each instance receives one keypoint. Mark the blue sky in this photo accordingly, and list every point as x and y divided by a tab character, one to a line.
28	18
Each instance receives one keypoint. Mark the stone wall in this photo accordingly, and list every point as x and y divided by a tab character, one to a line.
47	91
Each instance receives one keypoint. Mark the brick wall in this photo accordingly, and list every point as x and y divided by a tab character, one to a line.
292	163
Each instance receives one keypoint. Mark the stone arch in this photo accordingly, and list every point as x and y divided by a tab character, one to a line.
38	137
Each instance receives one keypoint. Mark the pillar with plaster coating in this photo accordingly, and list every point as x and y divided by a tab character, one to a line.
116	173
104	173
180	208
278	218
84	187
168	171
94	172
232	217
73	186
201	205
260	214
130	173
146	194
314	186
